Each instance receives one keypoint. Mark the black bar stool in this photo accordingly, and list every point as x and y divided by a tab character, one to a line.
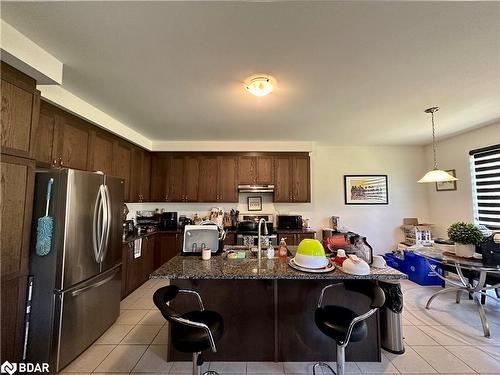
344	325
194	331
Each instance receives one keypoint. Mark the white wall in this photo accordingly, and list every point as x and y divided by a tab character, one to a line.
403	165
447	207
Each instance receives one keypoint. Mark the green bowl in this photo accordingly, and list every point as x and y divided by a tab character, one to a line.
311	247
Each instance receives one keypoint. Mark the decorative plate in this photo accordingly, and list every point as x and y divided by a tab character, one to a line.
328	268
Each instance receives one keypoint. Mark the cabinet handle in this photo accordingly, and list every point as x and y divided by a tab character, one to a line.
166	197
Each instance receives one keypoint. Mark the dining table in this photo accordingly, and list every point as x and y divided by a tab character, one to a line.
474	286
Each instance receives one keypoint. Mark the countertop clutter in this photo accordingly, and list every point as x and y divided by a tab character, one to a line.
218	267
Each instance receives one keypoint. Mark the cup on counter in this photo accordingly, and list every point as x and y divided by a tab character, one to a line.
206	254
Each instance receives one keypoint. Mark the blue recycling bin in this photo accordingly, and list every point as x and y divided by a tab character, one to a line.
418	270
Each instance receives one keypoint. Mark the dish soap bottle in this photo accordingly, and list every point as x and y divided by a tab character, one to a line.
270	252
283	250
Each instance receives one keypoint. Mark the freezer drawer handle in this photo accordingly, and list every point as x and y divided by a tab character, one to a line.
99	283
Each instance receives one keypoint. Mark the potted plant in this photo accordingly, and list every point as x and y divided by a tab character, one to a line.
466	236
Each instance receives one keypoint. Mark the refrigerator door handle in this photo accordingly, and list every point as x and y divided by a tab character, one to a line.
92	286
107	223
96	225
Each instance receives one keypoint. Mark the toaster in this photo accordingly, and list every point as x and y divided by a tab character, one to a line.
198	237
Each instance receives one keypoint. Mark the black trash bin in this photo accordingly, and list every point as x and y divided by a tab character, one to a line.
391	320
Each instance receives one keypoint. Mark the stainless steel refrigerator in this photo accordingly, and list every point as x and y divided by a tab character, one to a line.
76	286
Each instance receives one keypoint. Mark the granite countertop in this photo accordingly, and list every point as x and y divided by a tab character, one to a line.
218	267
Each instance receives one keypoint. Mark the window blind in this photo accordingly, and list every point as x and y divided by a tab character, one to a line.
485	171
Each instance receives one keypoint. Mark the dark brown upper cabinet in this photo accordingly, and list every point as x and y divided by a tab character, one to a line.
44	134
292	179
209	178
255	170
19	112
160	163
228	179
101	152
122	158
71	142
140	175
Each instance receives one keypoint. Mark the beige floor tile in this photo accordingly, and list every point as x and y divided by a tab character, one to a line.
444	335
265	368
442	360
187	367
493	350
128	302
89	359
141	334
383	367
477	359
349	368
414	336
298	367
113	373
122	359
228	367
409	362
131	316
154	360
162	336
143	303
115	334
153	317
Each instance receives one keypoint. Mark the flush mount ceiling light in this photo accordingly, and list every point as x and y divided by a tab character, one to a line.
435	175
260	85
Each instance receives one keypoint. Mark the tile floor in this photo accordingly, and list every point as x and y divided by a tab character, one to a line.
447	339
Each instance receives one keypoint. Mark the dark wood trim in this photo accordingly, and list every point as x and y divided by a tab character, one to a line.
17	78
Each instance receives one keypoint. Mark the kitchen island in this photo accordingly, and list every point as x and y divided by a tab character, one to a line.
268	308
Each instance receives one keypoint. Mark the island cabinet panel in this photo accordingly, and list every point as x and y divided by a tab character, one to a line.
292	179
140	175
298	337
247	307
19	111
101	152
122	158
209	179
228	183
71	142
167	246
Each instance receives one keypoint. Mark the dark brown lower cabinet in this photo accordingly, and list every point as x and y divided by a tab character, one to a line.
13	296
135	271
167	245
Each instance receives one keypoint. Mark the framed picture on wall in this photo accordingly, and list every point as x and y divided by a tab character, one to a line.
254	203
365	189
447	185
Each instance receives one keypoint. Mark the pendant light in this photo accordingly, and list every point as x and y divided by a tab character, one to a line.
435	175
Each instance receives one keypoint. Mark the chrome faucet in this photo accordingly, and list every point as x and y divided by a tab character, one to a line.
259	242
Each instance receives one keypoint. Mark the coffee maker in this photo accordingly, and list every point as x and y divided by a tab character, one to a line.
168	221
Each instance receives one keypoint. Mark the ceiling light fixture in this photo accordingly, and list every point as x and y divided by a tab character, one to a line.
436	174
260	85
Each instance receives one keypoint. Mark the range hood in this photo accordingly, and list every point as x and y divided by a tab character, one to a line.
256	188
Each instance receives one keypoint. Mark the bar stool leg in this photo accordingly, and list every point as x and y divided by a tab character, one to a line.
196	368
340	359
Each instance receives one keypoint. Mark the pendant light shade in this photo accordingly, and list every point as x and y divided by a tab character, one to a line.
436	174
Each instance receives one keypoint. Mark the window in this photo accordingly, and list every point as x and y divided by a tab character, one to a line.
485	171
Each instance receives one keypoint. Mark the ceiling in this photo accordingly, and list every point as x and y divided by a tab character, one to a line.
348	72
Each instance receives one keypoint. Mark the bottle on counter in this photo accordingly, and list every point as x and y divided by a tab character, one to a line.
270	252
283	249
